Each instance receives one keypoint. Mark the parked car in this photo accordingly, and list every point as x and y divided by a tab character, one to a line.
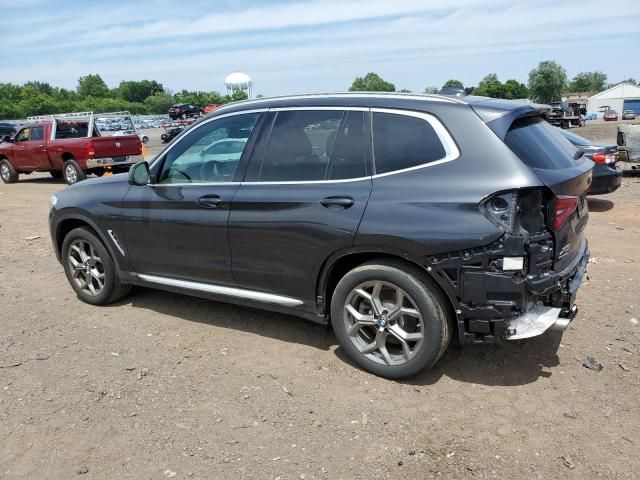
184	110
401	220
143	138
68	149
607	176
628	115
211	107
170	134
7	129
610	115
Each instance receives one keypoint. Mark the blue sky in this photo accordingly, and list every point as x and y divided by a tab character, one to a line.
299	46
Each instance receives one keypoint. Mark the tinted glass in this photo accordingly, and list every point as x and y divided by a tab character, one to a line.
540	145
348	158
575	139
37	133
400	142
210	153
300	145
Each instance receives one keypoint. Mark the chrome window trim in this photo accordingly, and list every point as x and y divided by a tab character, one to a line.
222	290
451	149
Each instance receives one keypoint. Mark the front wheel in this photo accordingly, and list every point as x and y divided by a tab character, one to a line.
90	269
72	172
390	319
7	172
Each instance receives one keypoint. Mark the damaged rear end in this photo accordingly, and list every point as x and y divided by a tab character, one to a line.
525	282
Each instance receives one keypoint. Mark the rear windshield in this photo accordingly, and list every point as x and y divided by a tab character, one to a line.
540	145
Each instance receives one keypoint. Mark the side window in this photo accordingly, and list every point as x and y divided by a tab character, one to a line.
348	159
300	145
401	141
210	153
23	135
37	133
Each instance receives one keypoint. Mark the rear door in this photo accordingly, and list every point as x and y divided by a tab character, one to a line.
304	195
567	174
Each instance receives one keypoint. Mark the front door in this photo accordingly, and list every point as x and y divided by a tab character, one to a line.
304	194
176	227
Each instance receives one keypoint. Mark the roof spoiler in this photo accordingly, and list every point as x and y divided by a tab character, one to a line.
500	115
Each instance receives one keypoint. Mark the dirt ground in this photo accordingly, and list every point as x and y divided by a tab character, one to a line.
168	386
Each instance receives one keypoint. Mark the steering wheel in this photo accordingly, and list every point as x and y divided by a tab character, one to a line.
217	170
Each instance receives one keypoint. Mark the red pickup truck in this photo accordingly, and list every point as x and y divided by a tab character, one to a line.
69	148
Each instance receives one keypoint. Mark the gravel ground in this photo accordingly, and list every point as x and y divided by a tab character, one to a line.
167	386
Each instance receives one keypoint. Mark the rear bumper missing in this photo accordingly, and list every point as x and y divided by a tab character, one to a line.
556	314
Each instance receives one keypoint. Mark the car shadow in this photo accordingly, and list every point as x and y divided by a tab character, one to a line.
599	205
505	364
278	326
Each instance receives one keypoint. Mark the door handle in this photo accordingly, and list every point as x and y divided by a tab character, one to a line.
337	202
209	201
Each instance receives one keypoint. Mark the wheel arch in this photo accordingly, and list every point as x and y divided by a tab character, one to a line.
69	223
336	266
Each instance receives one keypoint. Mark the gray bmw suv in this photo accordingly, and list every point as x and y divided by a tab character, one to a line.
403	221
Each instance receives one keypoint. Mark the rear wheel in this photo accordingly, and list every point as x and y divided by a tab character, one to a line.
72	172
90	269
390	319
7	172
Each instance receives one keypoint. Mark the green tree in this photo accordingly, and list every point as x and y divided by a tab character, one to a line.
133	91
239	95
547	82
159	102
515	89
431	90
405	90
372	82
453	84
490	86
92	86
589	82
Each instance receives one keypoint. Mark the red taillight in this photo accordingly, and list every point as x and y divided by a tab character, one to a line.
565	205
604	158
88	149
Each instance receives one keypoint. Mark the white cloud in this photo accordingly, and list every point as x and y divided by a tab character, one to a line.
314	45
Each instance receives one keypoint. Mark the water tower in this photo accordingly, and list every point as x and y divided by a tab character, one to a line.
238	81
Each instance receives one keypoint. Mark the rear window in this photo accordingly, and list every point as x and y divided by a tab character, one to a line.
72	130
540	145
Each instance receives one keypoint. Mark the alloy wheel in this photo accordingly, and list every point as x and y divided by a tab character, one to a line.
87	269
383	323
5	173
71	174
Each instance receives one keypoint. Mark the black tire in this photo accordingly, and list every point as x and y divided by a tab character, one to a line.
112	290
72	172
55	173
145	139
428	300
7	172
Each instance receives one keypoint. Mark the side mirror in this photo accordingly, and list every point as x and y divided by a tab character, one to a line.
139	174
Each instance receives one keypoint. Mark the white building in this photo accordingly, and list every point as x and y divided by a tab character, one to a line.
619	98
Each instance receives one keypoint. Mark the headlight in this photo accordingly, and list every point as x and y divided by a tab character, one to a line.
52	202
